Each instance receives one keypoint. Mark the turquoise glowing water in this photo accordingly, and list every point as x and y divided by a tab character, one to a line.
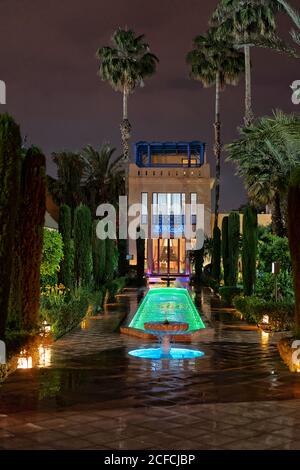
175	353
168	303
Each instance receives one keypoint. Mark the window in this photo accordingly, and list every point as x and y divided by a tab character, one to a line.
168	214
192	162
144	214
194	208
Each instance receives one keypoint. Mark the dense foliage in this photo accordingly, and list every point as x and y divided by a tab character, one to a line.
51	256
249	249
280	314
10	171
82	246
216	254
233	247
225	252
65	229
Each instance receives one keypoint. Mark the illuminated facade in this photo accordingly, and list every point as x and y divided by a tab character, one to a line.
168	174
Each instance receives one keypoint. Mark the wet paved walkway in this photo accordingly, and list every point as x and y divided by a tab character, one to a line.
88	393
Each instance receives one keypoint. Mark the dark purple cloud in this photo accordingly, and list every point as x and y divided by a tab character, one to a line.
47	58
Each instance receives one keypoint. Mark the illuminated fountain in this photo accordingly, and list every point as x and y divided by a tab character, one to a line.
166	313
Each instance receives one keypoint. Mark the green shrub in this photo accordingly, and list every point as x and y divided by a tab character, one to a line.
281	314
52	256
209	281
65	313
273	248
247	307
113	288
96	299
227	293
266	283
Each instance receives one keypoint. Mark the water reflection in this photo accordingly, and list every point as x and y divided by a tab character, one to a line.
44	356
24	361
264	339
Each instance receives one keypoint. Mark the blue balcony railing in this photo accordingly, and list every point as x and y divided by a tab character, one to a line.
183	154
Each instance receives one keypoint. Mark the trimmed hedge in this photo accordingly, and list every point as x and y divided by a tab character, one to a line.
227	293
113	288
66	316
281	314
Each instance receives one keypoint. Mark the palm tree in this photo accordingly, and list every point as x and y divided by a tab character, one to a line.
66	188
248	22
103	176
295	17
214	62
265	154
125	65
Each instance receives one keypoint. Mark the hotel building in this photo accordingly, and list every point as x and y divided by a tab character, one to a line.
166	174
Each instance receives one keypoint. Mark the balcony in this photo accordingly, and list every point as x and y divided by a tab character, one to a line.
170	154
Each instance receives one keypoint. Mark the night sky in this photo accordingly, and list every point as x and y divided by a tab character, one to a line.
47	59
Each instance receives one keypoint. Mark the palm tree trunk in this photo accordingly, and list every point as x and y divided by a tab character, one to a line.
277	223
217	148
248	119
125	105
125	136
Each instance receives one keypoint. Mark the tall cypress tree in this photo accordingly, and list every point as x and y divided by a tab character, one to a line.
99	258
123	264
10	170
140	255
32	216
82	245
65	229
111	259
216	254
199	259
225	251
249	249
294	236
233	246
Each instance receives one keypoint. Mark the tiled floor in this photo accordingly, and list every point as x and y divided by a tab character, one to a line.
88	393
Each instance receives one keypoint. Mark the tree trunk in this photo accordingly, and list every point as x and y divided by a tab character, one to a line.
277	223
294	237
125	104
249	117
125	136
217	149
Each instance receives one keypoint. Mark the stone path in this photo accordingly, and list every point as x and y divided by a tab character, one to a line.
88	393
